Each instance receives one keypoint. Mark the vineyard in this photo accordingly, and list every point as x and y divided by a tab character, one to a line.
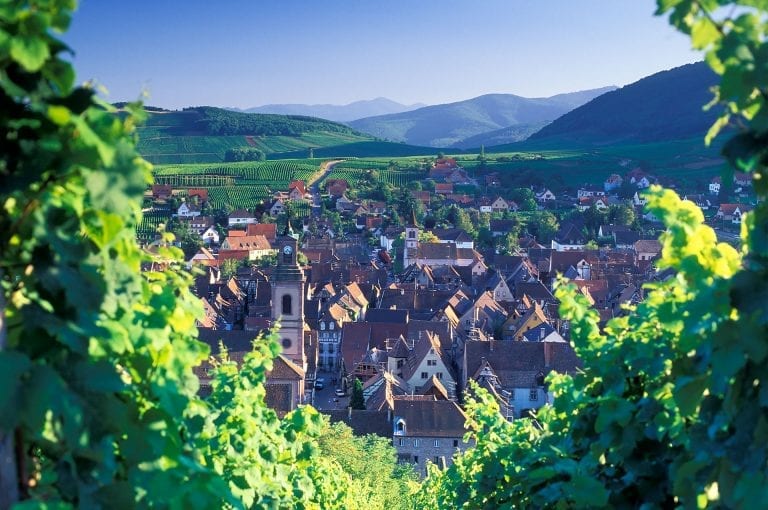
361	170
238	185
150	221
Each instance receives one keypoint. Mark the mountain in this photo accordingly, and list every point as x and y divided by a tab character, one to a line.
511	134
663	106
338	113
204	134
447	124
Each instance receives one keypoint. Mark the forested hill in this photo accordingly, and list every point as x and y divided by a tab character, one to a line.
663	106
449	124
207	120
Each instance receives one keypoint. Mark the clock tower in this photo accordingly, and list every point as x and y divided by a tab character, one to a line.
288	297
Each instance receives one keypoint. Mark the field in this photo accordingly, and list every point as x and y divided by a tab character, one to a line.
239	185
357	170
686	163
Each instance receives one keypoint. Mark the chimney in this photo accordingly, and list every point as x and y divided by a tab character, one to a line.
541	334
548	347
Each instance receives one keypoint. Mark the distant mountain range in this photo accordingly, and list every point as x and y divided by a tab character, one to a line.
663	106
452	124
338	113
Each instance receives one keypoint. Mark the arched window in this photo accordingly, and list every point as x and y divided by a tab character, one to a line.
411	234
287	308
400	428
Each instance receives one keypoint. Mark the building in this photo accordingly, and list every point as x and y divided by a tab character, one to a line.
425	429
240	217
288	299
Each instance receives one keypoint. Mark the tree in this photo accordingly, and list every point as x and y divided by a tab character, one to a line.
99	405
622	214
543	225
244	154
378	481
670	410
356	401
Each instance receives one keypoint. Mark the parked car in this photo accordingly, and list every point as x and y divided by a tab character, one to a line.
320	384
340	392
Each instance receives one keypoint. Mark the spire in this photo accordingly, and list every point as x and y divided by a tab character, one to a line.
413	219
288	227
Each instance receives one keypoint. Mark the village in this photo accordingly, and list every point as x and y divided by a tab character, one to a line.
386	317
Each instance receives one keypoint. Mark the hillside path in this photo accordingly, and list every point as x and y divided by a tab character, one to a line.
316	181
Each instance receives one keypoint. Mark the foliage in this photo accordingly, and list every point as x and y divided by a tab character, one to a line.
229	268
357	401
99	392
244	154
217	121
671	409
378	482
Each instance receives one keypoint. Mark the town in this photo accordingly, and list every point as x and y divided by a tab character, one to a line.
389	302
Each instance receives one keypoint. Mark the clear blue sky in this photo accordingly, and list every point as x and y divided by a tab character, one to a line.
244	53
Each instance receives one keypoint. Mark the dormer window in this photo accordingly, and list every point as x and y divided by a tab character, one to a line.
322	326
330	325
400	427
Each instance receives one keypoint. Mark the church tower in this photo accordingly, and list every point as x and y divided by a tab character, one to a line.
288	297
410	252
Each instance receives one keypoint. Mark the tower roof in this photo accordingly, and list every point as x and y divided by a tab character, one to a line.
412	222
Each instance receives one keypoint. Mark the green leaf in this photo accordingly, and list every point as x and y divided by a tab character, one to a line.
688	393
29	51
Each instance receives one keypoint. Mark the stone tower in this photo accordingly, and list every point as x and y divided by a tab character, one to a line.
288	298
411	249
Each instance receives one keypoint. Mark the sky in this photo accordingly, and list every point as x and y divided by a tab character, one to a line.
244	53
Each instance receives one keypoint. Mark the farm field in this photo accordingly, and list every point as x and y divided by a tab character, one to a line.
239	185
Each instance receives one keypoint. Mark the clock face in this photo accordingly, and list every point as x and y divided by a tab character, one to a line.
287	250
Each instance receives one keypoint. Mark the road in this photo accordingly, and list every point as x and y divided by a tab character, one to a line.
315	183
326	398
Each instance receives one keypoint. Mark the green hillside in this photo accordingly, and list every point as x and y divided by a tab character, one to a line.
663	106
366	149
447	124
203	134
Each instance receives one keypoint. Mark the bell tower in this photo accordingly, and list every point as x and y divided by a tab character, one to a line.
411	249
288	297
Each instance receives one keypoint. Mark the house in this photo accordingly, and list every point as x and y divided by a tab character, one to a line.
613	182
210	235
268	230
426	360
742	179
545	196
515	327
639	178
499	205
197	195
188	210
256	246
240	217
284	386
444	188
421	196
277	207
732	212
336	187
162	191
714	185
647	249
297	190
639	200
484	204
570	236
700	200
598	202
518	370
457	236
425	429
543	333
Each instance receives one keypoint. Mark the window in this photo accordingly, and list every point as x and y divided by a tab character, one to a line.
431	362
534	395
400	363
415	443
415	459
512	394
401	442
439	375
400	428
322	326
437	443
455	443
436	460
330	325
287	343
287	304
330	348
411	234
322	347
424	375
